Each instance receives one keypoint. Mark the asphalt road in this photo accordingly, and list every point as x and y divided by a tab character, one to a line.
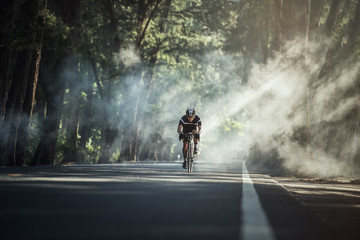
149	201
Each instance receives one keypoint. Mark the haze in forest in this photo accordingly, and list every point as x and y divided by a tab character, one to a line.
107	82
269	107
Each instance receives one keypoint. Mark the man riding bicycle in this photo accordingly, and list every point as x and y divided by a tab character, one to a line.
189	123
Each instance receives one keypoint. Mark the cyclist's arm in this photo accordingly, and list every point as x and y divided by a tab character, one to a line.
180	129
199	126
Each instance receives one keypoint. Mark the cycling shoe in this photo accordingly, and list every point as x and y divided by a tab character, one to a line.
184	165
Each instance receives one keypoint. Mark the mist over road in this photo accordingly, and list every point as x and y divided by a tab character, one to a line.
146	201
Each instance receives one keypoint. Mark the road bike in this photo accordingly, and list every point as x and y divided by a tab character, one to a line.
190	151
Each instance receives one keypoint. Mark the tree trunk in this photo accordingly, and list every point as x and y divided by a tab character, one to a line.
72	11
27	110
9	10
133	135
14	106
354	34
108	134
308	86
316	7
54	90
5	56
148	78
330	21
29	102
15	100
355	161
287	21
127	124
72	124
86	123
354	29
108	131
264	39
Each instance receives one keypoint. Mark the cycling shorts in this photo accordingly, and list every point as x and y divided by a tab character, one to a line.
197	136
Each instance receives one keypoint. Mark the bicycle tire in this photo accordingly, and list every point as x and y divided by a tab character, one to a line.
188	165
188	162
190	155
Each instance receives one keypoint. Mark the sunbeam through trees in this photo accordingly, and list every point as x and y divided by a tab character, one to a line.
275	82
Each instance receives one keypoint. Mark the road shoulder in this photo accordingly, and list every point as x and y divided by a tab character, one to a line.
287	217
335	202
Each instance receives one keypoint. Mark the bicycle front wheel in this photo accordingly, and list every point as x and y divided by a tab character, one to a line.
190	163
190	156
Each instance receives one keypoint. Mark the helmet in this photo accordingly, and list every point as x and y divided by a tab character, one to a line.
190	112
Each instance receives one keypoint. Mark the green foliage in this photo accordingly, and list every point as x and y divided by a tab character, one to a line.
231	125
198	49
61	146
54	27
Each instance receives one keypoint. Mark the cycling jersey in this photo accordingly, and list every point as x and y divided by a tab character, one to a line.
189	126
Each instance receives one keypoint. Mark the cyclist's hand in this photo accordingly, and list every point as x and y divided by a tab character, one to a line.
194	131
181	135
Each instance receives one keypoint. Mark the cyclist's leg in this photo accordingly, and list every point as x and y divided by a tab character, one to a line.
185	147
196	140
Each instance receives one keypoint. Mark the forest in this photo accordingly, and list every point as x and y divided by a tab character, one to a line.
275	82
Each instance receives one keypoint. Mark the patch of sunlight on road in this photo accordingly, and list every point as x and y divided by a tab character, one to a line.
332	205
145	176
324	187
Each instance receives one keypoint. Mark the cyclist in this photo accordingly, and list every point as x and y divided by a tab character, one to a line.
189	123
